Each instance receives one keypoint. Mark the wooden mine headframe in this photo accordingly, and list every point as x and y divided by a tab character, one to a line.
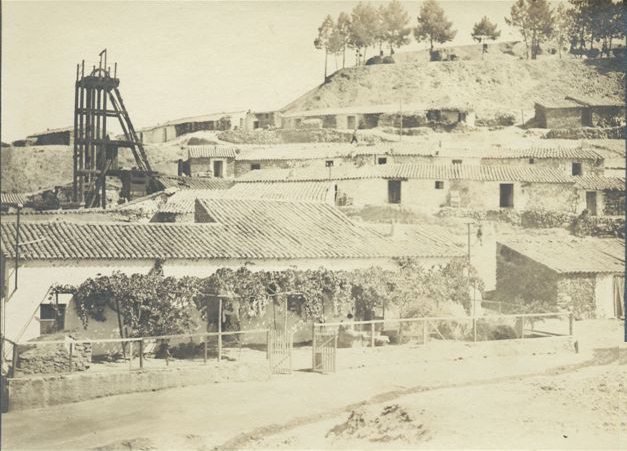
97	98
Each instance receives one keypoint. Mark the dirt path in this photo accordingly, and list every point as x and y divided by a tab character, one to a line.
226	415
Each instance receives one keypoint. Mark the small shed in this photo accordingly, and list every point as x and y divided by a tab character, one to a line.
578	111
59	136
583	275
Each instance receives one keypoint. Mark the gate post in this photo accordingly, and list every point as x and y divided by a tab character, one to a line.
424	331
372	335
313	346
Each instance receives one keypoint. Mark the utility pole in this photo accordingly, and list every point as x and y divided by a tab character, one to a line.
17	243
400	137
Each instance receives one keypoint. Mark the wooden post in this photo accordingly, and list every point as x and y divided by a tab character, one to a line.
14	359
141	354
130	355
313	346
372	335
571	324
204	360
522	327
474	329
71	351
424	331
220	332
267	344
400	332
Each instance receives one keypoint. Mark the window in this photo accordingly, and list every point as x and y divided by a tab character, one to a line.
457	161
51	318
255	166
382	160
394	191
439	184
506	198
532	161
328	163
577	169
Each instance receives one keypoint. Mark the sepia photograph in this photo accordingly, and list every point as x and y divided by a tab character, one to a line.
313	225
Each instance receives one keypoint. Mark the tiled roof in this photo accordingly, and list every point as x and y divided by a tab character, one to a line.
595	101
194	182
13	198
212	151
597	183
574	255
203	118
303	191
412	171
184	201
541	153
51	131
244	229
376	109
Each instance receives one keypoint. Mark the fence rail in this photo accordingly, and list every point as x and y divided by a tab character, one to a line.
126	347
429	324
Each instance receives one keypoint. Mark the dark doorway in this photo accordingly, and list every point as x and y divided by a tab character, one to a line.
586	117
218	168
506	199
591	202
577	169
394	191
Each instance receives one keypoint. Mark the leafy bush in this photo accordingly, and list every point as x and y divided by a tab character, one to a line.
545	219
374	60
498	119
587	133
599	226
388	60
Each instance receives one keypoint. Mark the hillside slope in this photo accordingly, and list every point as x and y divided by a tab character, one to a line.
498	84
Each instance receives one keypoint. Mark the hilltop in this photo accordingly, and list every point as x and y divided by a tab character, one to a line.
501	82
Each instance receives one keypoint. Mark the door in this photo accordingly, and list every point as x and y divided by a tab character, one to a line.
506	195
586	117
350	120
218	167
619	296
591	202
394	191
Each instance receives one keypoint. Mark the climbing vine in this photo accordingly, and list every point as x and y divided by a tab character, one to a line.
151	304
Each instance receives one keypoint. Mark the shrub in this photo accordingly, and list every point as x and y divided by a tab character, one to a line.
388	60
311	123
599	226
374	60
498	119
545	219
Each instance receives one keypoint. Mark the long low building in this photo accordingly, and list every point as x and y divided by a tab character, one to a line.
432	186
261	234
235	161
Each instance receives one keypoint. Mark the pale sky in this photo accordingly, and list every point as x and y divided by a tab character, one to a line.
176	58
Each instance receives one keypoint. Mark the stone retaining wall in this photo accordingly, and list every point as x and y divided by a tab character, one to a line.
43	391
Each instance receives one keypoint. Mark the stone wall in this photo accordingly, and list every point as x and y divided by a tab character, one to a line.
576	292
43	391
559	117
53	358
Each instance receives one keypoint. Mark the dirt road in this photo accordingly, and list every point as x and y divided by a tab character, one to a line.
239	415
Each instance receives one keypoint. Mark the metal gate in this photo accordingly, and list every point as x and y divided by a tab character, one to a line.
324	351
280	352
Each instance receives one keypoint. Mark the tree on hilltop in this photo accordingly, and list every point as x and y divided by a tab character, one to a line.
433	26
485	30
395	25
534	19
323	41
364	28
342	34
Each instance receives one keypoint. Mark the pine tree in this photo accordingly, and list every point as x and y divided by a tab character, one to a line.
364	26
325	31
395	25
485	30
433	25
534	19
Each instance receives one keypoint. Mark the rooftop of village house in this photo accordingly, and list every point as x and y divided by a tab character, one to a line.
412	171
573	255
240	229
